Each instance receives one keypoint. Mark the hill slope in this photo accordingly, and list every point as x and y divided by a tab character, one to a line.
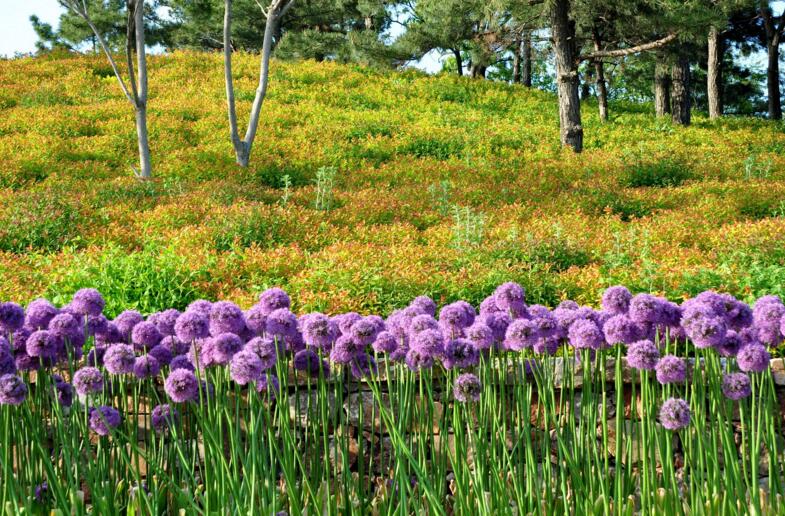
666	209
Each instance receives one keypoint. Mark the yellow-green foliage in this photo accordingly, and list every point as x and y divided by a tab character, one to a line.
672	210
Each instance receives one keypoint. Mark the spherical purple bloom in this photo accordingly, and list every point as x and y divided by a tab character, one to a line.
192	325
88	380
421	323
175	345
730	345
546	325
481	335
64	391
126	321
428	343
736	386
104	419
182	385
510	297
467	388
416	360
274	299
268	383
753	359
166	320
110	334
346	321
308	361
42	344
95	357
319	331
7	363
362	366
344	350
643	355
385	342
226	317
671	369
399	353
706	332
265	349
181	362
398	324
145	335
256	319
521	334
162	354
19	338
546	346
425	304
25	362
488	306
224	347
281	323
584	334
454	317
120	359
97	324
246	367
39	313
460	353
146	366
616	300
675	414
13	390
767	316
621	329
88	301
12	317
163	417
498	322
646	308
68	327
201	306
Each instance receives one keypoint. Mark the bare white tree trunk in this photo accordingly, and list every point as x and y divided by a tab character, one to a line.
275	12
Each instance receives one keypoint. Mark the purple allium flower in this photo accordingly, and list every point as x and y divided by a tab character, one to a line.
425	304
584	334
97	324
181	362
385	342
224	347
7	363
182	385
96	356
621	329
428	343
166	320
269	383
643	355
521	334
126	321
646	308
39	313
63	390
145	335
200	306
546	346
191	326
675	414
568	304
12	317
536	311
19	338
706	332
146	366
460	353
731	345
767	316
104	419
736	386
281	323
467	388
616	300
88	301
246	367
454	317
41	492
416	360
274	299
421	323
163	417
481	335
25	362
265	349
488	306
256	319
671	369
753	359
120	359
307	360
68	327
319	331
511	298
88	380
42	344
110	334
364	332
226	317
175	345
162	354
398	324
346	321
13	390
498	322
362	366
399	353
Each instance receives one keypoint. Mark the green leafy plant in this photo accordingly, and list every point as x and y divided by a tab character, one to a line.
325	183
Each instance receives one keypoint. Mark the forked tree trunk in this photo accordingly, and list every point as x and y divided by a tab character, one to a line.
680	91
662	86
714	73
526	57
563	33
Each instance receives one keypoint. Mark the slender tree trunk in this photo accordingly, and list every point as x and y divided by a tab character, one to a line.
526	72
680	91
714	73
516	61
478	71
145	162
773	81
458	61
563	33
239	146
662	83
585	88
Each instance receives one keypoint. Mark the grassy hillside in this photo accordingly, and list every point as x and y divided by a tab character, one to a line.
655	207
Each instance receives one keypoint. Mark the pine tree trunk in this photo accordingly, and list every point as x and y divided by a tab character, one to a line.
526	72
662	104
458	61
516	61
714	73
773	81
563	32
599	71
680	91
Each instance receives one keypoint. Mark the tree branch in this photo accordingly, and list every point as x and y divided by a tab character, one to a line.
631	50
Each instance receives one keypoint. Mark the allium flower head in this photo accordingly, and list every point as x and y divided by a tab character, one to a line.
146	366
428	343
521	334
421	323
63	391
104	419
362	366
39	313
643	355
566	316
13	390
191	326
175	345
265	349
767	317
707	332
346	321
201	306
145	335
488	306
125	323
460	353
165	321
646	308
616	300
88	301
416	360
226	317
344	350
511	298
364	332
246	367
120	359
182	385
224	347
675	414
481	335
256	319
454	317
268	383
730	345
181	362
546	346
25	362
498	322
163	417
308	361
68	327
398	324
88	380
12	317
319	331
42	344
7	363
426	305
467	388
385	342
274	299
568	304
621	329
162	354
736	386
671	369
753	359
281	323
96	356
584	334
